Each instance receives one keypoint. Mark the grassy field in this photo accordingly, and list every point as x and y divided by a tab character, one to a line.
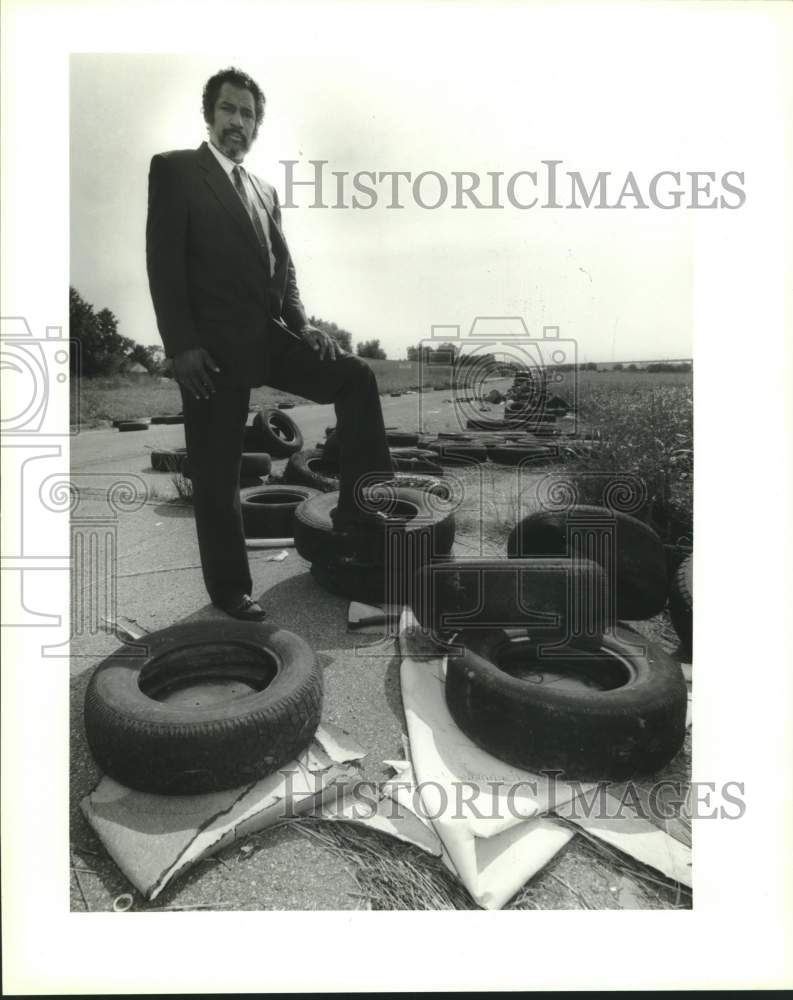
97	402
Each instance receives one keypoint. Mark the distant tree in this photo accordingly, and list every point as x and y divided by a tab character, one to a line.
344	337
102	348
440	354
151	356
669	366
632	368
371	349
617	367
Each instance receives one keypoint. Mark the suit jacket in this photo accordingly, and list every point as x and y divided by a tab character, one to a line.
209	277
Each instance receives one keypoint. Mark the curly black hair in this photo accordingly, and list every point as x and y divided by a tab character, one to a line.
239	79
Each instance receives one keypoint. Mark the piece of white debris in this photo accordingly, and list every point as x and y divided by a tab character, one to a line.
277	556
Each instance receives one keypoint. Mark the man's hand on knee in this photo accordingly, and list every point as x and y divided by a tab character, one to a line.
192	371
322	342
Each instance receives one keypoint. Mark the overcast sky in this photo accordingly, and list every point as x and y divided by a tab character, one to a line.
619	282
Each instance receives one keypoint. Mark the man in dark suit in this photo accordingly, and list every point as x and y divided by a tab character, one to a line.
229	313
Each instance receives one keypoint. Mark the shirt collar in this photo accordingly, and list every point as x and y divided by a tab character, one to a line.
225	162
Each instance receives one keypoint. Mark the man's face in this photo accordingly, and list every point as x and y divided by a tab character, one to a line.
233	125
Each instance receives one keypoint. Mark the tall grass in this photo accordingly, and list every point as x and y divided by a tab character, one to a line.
645	426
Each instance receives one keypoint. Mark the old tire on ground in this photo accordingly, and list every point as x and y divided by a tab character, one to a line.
361	582
557	405
423	518
168	419
172	460
552	596
681	602
269	511
255	463
133	425
638	579
312	468
526	454
509	423
213	705
280	435
402	438
451	452
609	710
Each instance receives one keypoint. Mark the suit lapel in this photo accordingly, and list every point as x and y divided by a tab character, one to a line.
223	190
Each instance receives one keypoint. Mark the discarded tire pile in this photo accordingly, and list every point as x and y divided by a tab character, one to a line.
374	564
541	671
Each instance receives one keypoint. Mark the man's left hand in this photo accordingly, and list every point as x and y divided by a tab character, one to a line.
322	342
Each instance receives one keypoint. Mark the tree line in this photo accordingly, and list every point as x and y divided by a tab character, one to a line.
105	351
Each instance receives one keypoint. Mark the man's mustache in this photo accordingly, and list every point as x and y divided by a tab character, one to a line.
233	131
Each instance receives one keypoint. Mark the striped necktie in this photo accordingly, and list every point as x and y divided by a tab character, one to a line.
253	215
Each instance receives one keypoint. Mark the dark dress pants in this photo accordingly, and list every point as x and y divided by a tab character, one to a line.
214	433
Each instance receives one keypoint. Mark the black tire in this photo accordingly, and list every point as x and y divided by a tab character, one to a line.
395	394
554	597
312	468
168	461
146	731
168	419
558	406
402	438
508	424
269	511
607	711
432	483
458	452
255	463
133	425
427	525
361	582
279	433
516	454
681	603
638	579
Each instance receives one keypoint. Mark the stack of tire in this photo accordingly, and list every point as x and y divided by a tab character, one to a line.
542	669
375	564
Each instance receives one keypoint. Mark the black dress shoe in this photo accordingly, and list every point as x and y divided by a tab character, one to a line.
247	610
